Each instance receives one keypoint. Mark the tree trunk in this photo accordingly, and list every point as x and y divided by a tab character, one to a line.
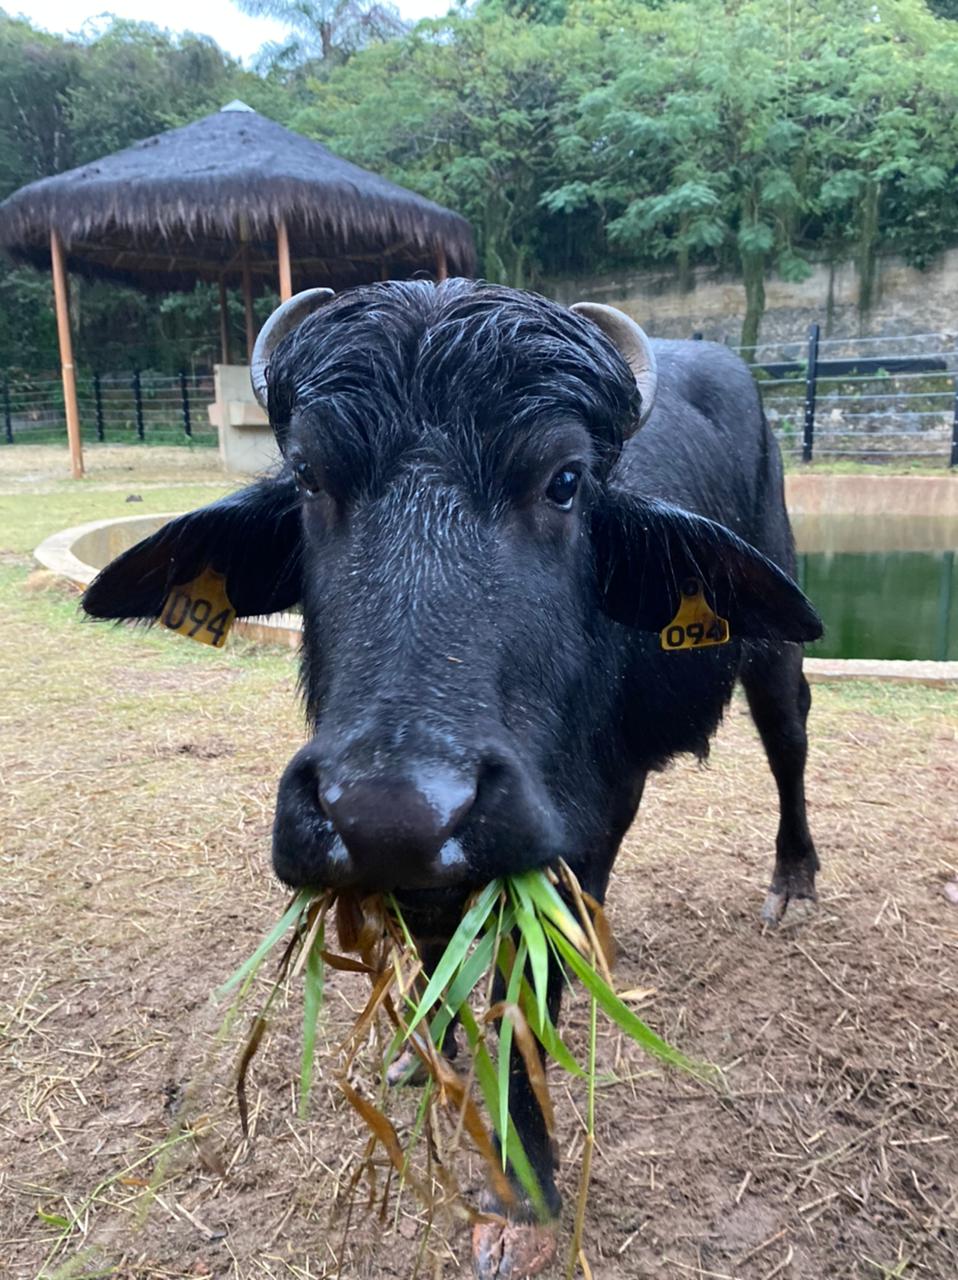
684	263
867	246
753	274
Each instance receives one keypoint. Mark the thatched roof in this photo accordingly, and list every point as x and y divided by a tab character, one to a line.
175	209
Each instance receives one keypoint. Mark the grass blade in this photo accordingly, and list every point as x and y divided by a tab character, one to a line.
464	983
457	949
545	1032
622	1016
505	1038
535	939
249	967
549	904
576	1248
312	1003
380	1126
535	1069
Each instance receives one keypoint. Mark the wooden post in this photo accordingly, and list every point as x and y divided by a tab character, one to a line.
66	354
224	323
248	305
285	266
442	269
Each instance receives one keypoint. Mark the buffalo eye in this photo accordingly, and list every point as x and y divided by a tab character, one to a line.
306	476
562	488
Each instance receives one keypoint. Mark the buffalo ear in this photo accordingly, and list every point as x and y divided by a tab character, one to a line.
645	550
252	536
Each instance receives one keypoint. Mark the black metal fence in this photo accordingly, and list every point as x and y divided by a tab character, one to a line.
862	398
827	398
117	408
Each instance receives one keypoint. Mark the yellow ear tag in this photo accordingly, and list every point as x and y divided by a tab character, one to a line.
200	609
695	626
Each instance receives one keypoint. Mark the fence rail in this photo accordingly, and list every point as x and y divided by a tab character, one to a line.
116	408
869	398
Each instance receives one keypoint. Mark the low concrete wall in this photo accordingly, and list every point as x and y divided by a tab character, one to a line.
811	494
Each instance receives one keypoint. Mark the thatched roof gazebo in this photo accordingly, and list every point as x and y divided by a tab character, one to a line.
235	199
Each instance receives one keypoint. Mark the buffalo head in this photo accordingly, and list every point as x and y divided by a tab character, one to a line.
475	589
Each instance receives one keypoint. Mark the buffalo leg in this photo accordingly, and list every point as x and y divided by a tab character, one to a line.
779	700
518	1245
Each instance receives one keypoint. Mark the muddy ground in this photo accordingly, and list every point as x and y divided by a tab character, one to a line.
137	774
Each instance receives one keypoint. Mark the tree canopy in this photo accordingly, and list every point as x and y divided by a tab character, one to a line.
577	135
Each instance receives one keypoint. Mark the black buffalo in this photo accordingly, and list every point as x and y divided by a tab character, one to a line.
486	548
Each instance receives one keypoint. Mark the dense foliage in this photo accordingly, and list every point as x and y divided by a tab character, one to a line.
577	135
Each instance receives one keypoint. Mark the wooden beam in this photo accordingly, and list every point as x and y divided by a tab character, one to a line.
285	266
67	370
248	306
442	270
224	323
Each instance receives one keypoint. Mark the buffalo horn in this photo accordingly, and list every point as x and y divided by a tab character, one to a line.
631	343
284	319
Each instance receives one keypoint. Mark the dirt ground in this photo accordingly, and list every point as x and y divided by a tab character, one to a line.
138	774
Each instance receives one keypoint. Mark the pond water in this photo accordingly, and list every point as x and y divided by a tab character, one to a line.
886	586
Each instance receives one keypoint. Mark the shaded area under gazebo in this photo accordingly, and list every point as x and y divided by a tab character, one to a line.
234	199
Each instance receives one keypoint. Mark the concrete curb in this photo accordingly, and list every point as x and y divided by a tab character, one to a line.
811	494
938	675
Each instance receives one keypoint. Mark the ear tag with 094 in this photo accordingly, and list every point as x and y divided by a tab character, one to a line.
695	625
200	609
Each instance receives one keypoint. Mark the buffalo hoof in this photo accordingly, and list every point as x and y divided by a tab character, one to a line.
782	908
503	1250
408	1068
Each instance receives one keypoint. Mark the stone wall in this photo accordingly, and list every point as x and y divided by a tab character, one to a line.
905	301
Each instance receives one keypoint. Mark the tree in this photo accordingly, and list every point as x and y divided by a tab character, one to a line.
64	103
330	30
576	135
465	110
747	135
37	72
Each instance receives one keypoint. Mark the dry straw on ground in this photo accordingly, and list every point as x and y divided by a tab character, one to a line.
137	783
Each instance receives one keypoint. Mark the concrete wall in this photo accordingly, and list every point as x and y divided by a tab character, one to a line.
247	445
905	301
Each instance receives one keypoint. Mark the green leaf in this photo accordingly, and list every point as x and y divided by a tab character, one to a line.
457	949
545	1032
755	238
248	968
535	940
464	983
505	1034
55	1219
623	1017
548	903
312	1003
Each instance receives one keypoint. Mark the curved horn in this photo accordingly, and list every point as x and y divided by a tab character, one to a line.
284	319
631	343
